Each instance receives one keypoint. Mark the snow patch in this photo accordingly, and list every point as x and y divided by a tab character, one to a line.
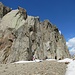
50	60
36	60
24	61
71	68
66	60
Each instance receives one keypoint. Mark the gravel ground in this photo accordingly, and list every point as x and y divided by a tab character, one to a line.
39	68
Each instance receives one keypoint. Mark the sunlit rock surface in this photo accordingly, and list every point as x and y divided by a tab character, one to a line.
24	37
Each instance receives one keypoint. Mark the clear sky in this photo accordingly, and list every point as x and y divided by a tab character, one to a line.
59	12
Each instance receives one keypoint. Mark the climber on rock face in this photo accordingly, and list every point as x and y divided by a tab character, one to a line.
33	58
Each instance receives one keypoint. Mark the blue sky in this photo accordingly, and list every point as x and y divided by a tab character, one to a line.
59	12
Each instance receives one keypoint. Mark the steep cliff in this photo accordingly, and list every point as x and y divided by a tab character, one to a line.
23	37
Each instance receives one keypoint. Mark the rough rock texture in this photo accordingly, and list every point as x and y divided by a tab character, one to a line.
3	10
23	37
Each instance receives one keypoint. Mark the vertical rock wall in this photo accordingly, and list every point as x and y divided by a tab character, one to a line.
23	37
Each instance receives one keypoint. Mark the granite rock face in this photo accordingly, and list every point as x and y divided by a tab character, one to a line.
4	10
24	37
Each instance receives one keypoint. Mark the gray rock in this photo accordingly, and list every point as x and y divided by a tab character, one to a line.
23	37
4	10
